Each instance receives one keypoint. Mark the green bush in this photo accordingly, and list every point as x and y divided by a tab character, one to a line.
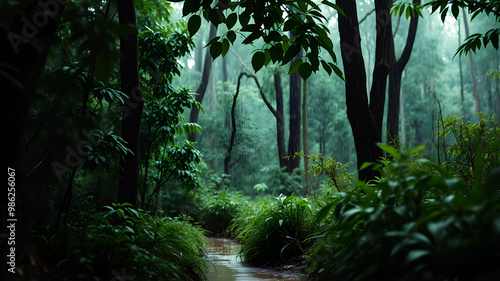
279	233
417	223
218	213
472	142
119	241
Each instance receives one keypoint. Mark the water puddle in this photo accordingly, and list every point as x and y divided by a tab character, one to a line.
225	265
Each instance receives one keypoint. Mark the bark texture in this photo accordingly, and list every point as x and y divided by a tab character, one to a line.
132	110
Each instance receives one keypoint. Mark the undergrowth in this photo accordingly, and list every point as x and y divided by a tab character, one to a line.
418	222
121	241
279	232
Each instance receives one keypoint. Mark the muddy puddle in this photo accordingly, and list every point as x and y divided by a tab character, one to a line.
225	265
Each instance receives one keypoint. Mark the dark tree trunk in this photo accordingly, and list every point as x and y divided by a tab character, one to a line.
304	135
365	119
205	79
395	73
294	122
280	121
227	159
25	41
132	110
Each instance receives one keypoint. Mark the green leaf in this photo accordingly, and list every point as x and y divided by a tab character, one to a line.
295	66
194	24
258	60
276	52
225	47
215	49
337	71
305	70
231	36
391	150
455	10
292	52
327	67
231	20
334	6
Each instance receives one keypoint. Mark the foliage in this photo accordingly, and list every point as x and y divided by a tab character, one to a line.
473	42
164	158
279	232
218	212
337	173
417	223
281	182
475	146
97	245
270	21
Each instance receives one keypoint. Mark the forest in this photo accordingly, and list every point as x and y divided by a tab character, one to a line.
332	140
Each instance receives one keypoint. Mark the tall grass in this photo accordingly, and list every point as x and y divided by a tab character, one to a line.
121	240
279	233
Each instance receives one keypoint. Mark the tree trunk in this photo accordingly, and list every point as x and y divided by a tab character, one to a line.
25	42
132	110
280	122
395	73
213	99
294	122
460	67
202	88
304	133
403	118
365	119
471	68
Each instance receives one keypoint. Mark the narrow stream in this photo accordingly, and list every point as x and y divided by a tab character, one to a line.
225	265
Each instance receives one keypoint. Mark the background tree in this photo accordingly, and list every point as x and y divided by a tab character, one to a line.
365	116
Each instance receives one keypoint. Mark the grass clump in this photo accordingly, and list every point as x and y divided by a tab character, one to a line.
279	232
218	212
121	240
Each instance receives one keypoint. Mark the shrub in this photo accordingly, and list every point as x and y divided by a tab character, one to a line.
481	139
417	223
218	213
279	233
118	241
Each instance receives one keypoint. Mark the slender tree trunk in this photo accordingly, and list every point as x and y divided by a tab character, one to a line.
213	134
294	121
224	73
395	74
471	69
205	79
304	133
132	111
460	67
365	118
280	122
403	118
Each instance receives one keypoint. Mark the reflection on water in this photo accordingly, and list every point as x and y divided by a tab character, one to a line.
225	265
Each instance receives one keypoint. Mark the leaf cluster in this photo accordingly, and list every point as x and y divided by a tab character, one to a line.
475	149
270	21
474	7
